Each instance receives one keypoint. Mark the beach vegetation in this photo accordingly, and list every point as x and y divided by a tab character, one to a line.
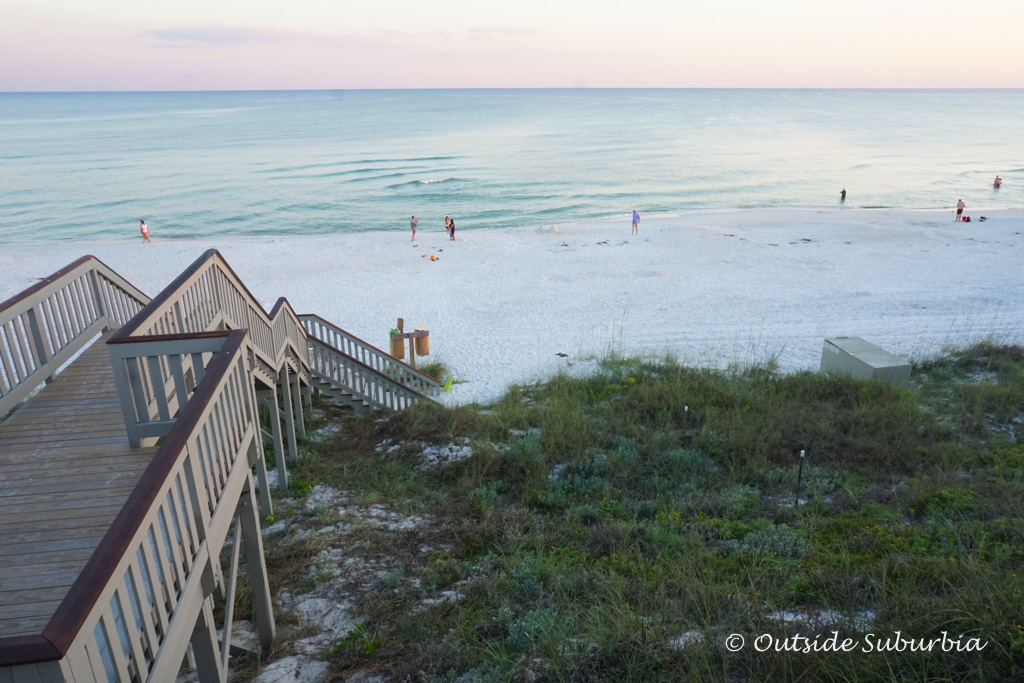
622	525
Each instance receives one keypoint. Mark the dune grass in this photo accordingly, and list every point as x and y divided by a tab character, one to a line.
621	526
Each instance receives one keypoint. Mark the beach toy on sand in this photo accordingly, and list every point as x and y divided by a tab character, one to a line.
433	258
448	383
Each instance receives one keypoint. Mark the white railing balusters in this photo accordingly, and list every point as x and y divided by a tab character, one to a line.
363	382
369	355
184	364
47	324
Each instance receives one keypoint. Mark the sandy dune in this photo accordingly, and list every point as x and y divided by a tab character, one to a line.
711	287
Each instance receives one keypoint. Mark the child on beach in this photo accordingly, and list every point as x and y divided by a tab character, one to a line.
412	224
144	229
636	223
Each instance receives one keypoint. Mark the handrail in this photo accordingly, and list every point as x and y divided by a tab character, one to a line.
370	355
361	380
209	295
156	556
206	297
184	362
44	326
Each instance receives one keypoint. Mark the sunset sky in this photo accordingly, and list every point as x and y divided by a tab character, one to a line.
67	45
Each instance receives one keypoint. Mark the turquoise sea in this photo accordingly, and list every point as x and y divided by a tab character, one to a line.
87	166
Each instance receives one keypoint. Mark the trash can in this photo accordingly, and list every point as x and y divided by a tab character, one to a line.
397	348
423	343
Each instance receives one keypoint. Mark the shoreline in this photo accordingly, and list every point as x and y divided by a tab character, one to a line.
465	226
711	287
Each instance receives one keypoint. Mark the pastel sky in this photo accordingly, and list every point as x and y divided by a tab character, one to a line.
67	45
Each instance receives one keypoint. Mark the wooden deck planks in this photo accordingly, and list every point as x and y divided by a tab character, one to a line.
65	471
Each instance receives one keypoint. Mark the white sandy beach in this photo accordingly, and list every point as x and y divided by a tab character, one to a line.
710	287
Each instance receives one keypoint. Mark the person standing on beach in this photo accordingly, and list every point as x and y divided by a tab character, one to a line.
412	224
144	229
960	206
842	195
448	225
636	223
451	230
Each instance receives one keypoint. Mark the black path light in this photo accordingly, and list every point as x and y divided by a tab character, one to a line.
799	474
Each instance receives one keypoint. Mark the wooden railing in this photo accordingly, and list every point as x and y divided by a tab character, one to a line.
46	325
185	364
147	590
360	380
209	296
153	353
369	355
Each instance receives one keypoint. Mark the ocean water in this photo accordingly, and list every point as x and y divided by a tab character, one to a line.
87	166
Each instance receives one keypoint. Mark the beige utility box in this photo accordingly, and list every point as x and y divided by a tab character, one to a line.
855	357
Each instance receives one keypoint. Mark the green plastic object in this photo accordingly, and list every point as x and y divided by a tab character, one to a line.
448	383
394	331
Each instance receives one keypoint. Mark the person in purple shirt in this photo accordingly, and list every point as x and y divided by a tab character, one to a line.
636	223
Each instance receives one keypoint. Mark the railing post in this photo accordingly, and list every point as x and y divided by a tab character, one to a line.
39	345
269	399
101	309
289	415
124	394
256	460
252	539
204	646
296	395
179	319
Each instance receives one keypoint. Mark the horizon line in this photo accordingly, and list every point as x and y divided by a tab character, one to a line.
469	88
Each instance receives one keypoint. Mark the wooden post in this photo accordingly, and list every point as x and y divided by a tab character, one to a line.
252	540
300	420
204	646
257	461
289	416
269	398
38	344
412	352
97	296
229	599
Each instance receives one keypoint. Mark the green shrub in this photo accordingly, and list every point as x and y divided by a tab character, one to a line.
781	541
536	626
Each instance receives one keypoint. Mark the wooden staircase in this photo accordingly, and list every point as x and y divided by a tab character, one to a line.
180	441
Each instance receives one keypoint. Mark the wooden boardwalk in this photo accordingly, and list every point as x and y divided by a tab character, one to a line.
67	469
111	562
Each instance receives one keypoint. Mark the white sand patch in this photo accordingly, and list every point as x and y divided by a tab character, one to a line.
710	287
685	639
861	621
297	669
436	456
